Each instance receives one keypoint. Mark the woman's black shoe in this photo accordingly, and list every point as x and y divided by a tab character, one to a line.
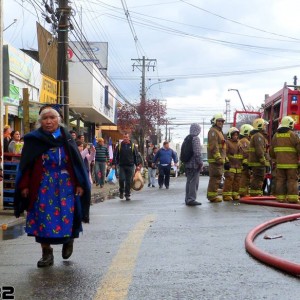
193	203
47	259
67	249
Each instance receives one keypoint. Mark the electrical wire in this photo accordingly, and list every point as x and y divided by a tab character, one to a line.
236	22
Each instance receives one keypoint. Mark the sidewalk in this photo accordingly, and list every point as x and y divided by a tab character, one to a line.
98	195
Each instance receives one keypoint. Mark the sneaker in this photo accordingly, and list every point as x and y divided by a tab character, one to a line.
149	184
121	196
153	185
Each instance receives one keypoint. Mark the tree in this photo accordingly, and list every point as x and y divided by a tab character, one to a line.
247	118
129	119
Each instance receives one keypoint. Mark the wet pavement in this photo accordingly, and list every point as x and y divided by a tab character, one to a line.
154	247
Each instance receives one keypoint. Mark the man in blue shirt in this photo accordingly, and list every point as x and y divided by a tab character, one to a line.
165	156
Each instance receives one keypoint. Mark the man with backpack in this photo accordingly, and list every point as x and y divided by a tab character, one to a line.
164	156
191	157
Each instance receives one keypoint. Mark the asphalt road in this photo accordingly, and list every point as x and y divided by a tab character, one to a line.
154	247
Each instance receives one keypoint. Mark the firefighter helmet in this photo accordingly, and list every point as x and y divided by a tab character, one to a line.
231	131
287	122
218	116
246	129
259	124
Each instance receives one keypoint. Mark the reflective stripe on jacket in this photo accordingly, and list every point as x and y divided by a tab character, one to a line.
258	151
244	145
216	146
285	149
234	155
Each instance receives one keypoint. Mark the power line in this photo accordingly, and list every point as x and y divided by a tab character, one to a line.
239	23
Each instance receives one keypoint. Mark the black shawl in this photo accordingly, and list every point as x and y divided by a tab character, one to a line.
38	142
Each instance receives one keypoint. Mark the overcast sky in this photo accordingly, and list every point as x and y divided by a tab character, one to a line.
208	47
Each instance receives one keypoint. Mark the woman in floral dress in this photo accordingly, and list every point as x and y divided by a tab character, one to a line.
53	186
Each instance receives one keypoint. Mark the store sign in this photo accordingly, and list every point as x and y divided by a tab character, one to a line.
14	96
48	90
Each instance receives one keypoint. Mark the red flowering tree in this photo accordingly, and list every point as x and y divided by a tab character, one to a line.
129	119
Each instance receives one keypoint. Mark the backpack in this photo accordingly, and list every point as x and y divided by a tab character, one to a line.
187	149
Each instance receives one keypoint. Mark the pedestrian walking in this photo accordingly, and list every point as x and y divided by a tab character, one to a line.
285	150
258	156
164	158
101	160
53	186
151	168
244	145
232	166
6	137
126	157
193	167
88	153
216	154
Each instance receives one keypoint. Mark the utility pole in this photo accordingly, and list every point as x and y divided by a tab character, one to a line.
63	13
141	64
1	96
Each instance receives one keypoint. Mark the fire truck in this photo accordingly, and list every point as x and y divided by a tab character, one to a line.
286	102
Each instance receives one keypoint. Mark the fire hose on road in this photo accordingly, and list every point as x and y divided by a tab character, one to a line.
252	249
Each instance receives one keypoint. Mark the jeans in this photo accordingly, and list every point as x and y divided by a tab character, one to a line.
151	176
125	179
192	183
164	175
100	172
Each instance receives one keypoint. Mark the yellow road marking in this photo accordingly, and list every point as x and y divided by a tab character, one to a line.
116	282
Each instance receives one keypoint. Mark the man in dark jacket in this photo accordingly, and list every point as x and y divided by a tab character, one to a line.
126	156
193	168
165	156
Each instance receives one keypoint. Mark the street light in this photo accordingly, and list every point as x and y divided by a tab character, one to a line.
239	97
167	80
15	20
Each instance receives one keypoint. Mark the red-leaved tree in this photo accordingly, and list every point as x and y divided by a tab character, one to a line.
129	119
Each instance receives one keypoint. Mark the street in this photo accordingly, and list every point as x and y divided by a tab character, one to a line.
155	247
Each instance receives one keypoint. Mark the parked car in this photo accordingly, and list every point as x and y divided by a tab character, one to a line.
204	170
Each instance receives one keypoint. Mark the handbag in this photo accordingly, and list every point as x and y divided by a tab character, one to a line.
138	181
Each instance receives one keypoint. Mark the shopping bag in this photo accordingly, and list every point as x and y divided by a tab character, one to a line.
138	181
111	177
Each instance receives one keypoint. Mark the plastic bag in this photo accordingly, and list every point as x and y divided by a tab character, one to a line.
138	181
111	177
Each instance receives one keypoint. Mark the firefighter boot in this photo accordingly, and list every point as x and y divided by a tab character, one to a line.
216	199
47	258
227	198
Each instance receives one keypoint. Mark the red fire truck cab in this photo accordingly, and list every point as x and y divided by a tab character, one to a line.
286	102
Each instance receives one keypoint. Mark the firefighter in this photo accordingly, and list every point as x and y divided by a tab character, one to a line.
244	144
232	166
285	149
258	156
216	154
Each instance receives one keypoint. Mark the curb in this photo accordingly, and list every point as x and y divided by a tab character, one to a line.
96	197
